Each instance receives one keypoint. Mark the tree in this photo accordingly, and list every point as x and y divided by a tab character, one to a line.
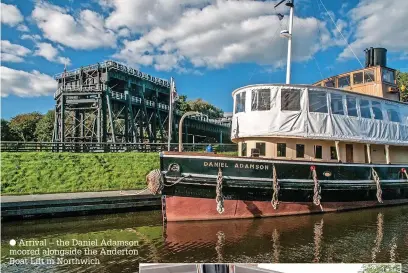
198	105
6	133
24	125
381	268
44	127
402	82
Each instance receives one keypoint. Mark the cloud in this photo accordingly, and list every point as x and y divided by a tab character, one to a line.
378	23
85	31
50	53
22	28
33	38
13	52
24	84
219	34
10	15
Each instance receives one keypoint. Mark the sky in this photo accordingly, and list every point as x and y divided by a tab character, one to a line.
210	47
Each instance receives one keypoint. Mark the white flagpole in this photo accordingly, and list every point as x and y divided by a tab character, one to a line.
170	114
289	43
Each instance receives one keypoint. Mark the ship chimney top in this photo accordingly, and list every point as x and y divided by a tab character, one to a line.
375	56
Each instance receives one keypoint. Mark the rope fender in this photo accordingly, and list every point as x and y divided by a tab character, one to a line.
377	182
404	171
155	182
275	187
317	189
220	197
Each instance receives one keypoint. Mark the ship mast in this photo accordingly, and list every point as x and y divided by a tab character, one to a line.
288	34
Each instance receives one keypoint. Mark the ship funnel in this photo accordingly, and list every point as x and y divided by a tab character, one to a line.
375	56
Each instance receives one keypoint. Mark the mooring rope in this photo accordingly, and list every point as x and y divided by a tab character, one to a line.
220	198
275	187
317	188
377	182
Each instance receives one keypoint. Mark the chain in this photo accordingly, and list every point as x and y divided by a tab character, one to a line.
317	189
275	187
220	197
164	214
377	181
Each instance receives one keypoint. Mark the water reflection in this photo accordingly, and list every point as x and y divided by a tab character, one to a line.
378	235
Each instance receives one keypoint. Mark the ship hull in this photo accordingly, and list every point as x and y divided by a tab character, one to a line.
249	185
176	208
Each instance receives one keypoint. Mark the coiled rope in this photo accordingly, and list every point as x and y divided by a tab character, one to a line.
275	187
377	182
155	182
317	189
220	198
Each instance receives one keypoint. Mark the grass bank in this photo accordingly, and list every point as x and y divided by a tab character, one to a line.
43	172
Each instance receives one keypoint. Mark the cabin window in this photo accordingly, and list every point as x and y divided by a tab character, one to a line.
369	75
377	111
344	81
300	150
261	148
388	75
351	106
333	153
393	114
318	151
329	83
337	104
281	149
243	149
365	108
290	99
358	78
240	102
317	101
261	100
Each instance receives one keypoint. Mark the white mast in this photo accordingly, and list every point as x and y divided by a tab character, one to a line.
288	34
290	4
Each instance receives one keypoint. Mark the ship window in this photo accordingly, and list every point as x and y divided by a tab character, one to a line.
388	75
358	78
369	75
244	149
261	147
365	109
376	106
333	153
240	102
393	115
337	104
317	101
261	100
300	150
290	99
281	152
344	81
351	106
318	151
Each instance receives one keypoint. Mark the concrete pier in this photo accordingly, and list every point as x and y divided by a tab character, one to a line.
64	204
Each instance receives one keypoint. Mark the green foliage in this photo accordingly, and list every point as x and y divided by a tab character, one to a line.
6	133
44	127
381	268
24	125
402	82
43	172
198	105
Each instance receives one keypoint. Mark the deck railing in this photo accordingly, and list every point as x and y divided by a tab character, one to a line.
95	147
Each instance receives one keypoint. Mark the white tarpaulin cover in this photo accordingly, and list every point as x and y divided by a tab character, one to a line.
390	125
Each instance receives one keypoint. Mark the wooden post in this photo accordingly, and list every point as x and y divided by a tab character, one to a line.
368	153
337	143
387	154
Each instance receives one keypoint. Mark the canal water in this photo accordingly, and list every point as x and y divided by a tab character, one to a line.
374	235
